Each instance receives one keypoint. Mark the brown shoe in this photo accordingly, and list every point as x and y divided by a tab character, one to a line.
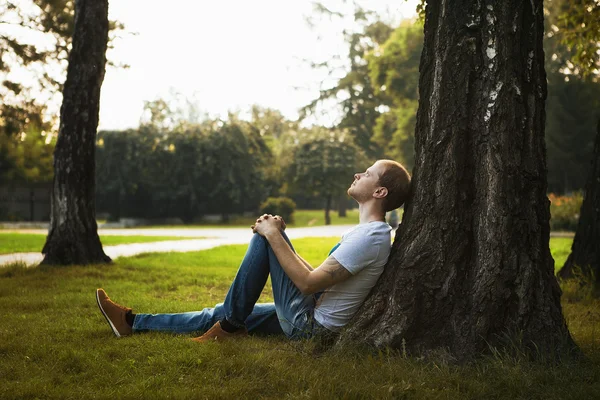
217	333
114	314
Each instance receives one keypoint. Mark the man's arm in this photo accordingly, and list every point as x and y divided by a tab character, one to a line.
306	264
307	280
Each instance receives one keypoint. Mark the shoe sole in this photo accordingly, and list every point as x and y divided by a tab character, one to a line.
115	331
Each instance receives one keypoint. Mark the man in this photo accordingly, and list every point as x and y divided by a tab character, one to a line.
308	301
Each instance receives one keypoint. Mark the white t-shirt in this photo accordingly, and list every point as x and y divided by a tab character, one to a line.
363	251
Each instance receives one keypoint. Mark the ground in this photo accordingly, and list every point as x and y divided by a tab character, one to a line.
56	344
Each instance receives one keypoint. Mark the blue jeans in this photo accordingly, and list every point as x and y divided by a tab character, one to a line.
291	314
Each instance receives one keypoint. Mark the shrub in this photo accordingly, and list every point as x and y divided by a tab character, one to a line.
564	211
283	206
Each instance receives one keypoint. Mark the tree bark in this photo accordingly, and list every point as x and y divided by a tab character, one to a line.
73	234
327	209
585	251
342	205
471	266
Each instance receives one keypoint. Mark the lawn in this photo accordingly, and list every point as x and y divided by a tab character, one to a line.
301	218
55	344
560	249
32	242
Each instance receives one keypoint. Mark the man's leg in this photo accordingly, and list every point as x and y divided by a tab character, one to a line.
262	320
293	309
239	308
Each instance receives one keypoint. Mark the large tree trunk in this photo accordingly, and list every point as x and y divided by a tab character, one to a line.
73	236
471	266
585	251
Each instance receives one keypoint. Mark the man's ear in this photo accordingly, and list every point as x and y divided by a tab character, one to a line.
380	192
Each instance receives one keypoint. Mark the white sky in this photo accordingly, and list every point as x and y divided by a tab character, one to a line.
225	54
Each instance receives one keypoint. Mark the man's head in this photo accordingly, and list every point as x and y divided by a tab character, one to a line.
386	182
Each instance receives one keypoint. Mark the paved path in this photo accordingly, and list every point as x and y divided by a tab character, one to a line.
214	237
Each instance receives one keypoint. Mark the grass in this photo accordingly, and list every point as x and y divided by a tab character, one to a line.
55	344
32	242
302	218
560	249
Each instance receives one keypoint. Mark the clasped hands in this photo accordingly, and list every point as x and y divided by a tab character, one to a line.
268	223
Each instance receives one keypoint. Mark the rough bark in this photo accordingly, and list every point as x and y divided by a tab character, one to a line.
471	266
585	251
73	236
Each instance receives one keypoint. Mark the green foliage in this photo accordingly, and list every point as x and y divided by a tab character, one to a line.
564	211
574	29
283	206
215	167
41	63
572	109
50	319
324	162
354	93
27	157
35	38
394	71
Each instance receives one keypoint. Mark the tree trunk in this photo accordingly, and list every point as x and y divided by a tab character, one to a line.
327	208
342	205
585	251
471	266
73	236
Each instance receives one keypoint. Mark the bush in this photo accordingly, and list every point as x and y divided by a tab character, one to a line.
283	206
564	211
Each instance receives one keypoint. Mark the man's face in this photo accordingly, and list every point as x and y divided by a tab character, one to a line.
366	183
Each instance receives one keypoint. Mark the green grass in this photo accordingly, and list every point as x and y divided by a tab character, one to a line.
55	344
560	249
301	218
32	242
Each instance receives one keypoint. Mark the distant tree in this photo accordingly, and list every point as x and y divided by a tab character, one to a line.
578	29
213	167
574	26
394	71
158	114
354	92
573	104
28	158
324	162
573	107
124	172
585	251
279	134
32	72
73	235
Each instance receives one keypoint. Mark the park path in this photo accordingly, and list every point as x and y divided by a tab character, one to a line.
213	237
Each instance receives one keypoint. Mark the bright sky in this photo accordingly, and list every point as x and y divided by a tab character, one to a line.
224	55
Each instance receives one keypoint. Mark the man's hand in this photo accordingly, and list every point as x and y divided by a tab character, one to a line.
268	224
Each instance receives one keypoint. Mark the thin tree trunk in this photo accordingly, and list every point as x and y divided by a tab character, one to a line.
342	205
585	251
471	266
73	236
327	209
